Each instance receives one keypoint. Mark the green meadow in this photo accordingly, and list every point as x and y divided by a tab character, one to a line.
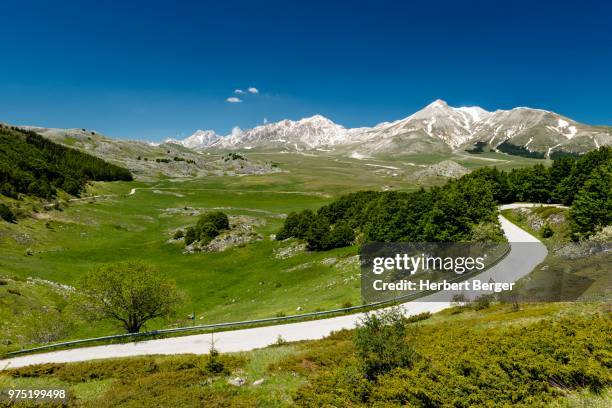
241	283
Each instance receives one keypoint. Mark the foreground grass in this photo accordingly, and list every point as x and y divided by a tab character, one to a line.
541	355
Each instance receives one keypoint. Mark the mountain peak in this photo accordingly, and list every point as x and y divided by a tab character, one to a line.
438	103
316	118
437	124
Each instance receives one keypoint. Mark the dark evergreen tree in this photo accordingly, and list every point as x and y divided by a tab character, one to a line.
592	207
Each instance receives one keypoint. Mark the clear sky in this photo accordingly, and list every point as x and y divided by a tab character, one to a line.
150	70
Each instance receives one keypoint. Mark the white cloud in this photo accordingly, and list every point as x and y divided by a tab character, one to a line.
239	92
253	90
265	121
233	99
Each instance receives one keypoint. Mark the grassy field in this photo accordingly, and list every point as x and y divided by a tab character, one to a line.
240	283
289	371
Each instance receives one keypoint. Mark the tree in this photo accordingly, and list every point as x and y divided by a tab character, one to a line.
592	207
131	293
218	219
341	235
561	168
290	226
317	234
581	171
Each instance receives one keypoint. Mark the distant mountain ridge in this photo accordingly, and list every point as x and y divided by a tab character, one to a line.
436	127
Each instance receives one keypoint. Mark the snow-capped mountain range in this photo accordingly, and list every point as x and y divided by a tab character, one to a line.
437	127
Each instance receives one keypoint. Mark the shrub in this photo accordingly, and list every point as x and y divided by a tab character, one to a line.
190	236
209	225
6	214
547	231
459	365
214	365
418	317
380	340
219	219
483	302
8	190
280	341
347	304
179	234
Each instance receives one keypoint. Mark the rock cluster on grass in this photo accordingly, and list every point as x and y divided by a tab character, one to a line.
446	169
241	232
292	249
536	222
576	250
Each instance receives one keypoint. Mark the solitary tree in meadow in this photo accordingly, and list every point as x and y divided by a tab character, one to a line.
131	293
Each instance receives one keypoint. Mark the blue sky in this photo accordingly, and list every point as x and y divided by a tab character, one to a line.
150	70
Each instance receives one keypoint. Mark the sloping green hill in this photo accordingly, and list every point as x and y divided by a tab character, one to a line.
33	165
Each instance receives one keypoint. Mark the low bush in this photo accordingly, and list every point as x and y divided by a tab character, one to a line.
381	343
483	302
6	214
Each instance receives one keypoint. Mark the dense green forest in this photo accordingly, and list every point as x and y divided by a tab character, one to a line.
33	165
462	209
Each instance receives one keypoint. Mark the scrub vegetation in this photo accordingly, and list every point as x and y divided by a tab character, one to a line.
539	355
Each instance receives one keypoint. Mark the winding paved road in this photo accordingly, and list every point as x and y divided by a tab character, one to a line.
526	253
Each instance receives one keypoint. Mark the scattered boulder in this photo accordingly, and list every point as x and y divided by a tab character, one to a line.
290	250
446	169
258	382
237	381
329	261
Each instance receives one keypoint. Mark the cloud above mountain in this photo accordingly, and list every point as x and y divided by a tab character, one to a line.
253	90
233	99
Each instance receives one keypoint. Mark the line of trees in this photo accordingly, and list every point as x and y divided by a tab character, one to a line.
464	209
31	164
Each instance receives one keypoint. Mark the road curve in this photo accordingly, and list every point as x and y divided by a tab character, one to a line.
519	262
